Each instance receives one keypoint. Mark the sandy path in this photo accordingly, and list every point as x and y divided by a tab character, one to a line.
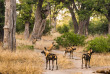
46	41
76	70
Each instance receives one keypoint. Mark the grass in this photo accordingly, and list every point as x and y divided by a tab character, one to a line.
27	62
102	59
64	63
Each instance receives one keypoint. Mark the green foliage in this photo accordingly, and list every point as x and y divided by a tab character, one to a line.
63	29
98	27
47	28
56	47
29	47
25	14
68	39
100	44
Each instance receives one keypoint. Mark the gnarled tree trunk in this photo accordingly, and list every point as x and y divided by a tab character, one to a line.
10	25
86	27
75	23
40	20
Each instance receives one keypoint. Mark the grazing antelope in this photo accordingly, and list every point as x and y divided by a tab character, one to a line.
87	58
51	47
50	56
70	50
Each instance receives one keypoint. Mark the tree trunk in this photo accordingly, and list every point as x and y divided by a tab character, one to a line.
86	27
75	23
40	21
26	32
49	14
10	25
55	22
81	26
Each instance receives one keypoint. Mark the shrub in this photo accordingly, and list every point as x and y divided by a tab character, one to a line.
63	29
47	28
98	27
68	39
100	44
56	46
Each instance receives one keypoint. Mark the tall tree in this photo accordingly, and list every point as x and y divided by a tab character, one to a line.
25	10
41	14
103	6
10	25
83	9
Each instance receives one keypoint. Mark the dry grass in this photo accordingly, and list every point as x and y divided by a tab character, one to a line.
100	59
20	62
64	63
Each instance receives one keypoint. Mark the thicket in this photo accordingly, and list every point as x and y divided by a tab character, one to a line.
63	29
98	26
100	44
69	39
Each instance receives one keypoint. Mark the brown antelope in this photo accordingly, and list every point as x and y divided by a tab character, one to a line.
70	50
50	56
87	58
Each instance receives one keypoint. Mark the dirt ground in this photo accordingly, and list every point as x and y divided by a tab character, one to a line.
47	40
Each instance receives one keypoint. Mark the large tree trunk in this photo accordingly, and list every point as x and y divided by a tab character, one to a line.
26	32
82	24
75	23
40	21
86	27
49	14
10	25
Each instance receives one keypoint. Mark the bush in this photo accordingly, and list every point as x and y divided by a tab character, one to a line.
68	39
63	29
47	28
100	44
98	27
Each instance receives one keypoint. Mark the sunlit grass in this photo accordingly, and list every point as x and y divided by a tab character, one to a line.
27	62
64	63
100	59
